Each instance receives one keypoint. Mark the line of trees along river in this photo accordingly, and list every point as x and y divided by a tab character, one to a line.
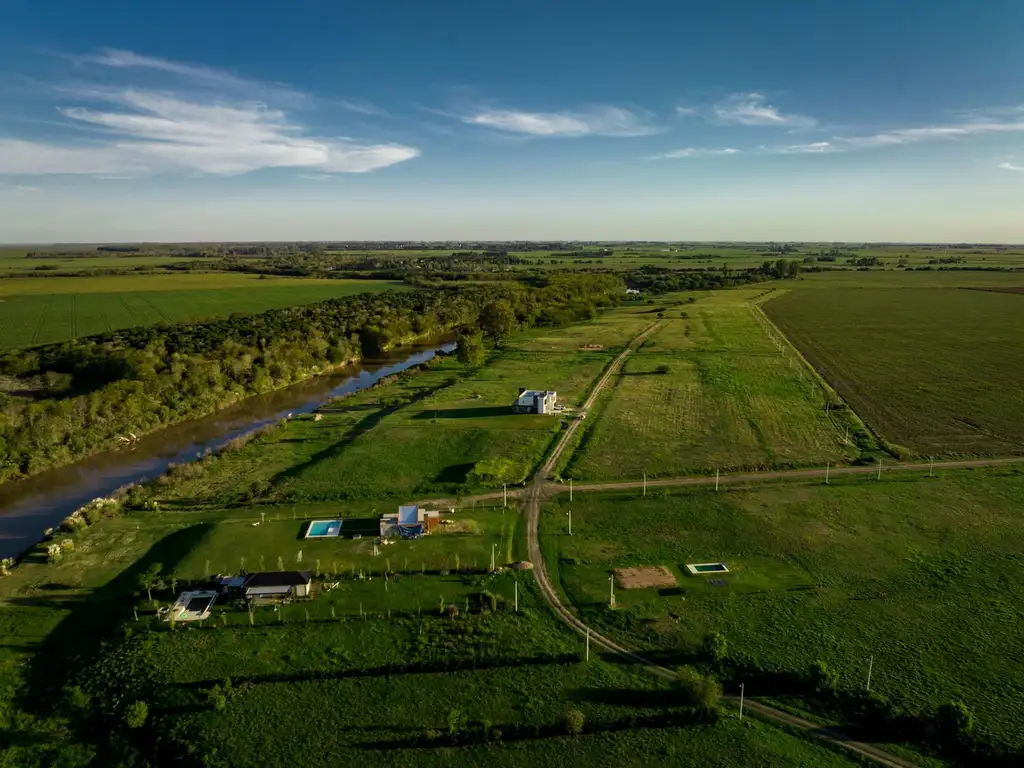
65	401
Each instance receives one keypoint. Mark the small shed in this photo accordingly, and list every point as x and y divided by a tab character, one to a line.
278	584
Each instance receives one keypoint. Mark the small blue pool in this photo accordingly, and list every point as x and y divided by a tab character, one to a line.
321	529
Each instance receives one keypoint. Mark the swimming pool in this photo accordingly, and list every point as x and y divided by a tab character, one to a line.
696	568
321	529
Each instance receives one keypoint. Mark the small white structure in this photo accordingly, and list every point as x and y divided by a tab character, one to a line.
535	401
696	569
192	606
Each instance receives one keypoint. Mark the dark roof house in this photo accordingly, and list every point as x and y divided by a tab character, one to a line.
278	584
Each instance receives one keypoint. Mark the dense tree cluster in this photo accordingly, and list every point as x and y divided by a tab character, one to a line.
67	400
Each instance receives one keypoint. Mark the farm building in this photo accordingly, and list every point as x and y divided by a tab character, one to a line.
409	522
534	401
277	584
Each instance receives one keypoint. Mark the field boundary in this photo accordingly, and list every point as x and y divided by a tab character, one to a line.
829	392
532	498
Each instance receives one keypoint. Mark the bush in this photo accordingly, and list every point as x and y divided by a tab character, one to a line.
136	714
574	721
216	699
954	720
699	691
823	679
715	646
662	369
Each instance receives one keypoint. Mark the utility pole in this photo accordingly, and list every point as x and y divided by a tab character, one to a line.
517	595
570	489
504	495
931	465
871	663
717	472
588	643
570	522
827	466
645	485
741	700
611	591
879	467
493	547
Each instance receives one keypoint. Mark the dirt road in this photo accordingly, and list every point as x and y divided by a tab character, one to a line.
532	498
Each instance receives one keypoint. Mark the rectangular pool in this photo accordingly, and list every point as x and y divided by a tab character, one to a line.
697	568
321	529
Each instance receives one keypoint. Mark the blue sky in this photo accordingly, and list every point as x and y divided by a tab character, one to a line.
311	119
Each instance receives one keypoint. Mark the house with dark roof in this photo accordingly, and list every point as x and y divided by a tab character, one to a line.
277	584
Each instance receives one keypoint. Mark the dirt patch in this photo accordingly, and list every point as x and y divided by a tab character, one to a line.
591	348
644	576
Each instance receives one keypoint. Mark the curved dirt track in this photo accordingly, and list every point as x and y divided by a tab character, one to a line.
532	498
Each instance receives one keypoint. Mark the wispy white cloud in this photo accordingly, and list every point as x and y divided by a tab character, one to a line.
598	121
687	152
1008	166
685	111
905	136
813	148
147	131
754	109
361	107
18	190
197	74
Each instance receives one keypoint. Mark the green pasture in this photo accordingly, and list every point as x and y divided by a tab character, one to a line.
922	573
709	389
934	370
51	310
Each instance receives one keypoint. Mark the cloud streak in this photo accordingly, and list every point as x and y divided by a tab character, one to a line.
903	137
753	109
1011	167
599	121
688	152
197	74
143	131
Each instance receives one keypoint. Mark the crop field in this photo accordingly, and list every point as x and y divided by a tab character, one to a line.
50	310
708	390
922	573
936	371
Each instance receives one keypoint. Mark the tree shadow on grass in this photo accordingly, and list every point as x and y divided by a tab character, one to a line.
455	474
93	616
480	412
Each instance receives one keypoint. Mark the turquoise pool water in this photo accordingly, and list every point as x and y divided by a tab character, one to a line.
322	528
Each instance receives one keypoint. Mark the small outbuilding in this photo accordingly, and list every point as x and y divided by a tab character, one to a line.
277	585
535	401
410	522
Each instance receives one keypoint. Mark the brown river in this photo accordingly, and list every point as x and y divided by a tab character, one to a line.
28	507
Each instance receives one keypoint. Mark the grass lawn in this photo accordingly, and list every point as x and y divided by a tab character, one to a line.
934	370
50	310
434	443
726	398
923	574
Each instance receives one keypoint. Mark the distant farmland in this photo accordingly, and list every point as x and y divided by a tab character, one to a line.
84	306
935	370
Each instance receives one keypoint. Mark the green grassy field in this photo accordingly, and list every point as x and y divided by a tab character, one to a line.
727	398
451	439
934	370
923	574
49	310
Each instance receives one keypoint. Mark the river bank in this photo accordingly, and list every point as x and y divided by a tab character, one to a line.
31	505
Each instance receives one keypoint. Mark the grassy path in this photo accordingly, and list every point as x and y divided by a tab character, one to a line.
532	497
